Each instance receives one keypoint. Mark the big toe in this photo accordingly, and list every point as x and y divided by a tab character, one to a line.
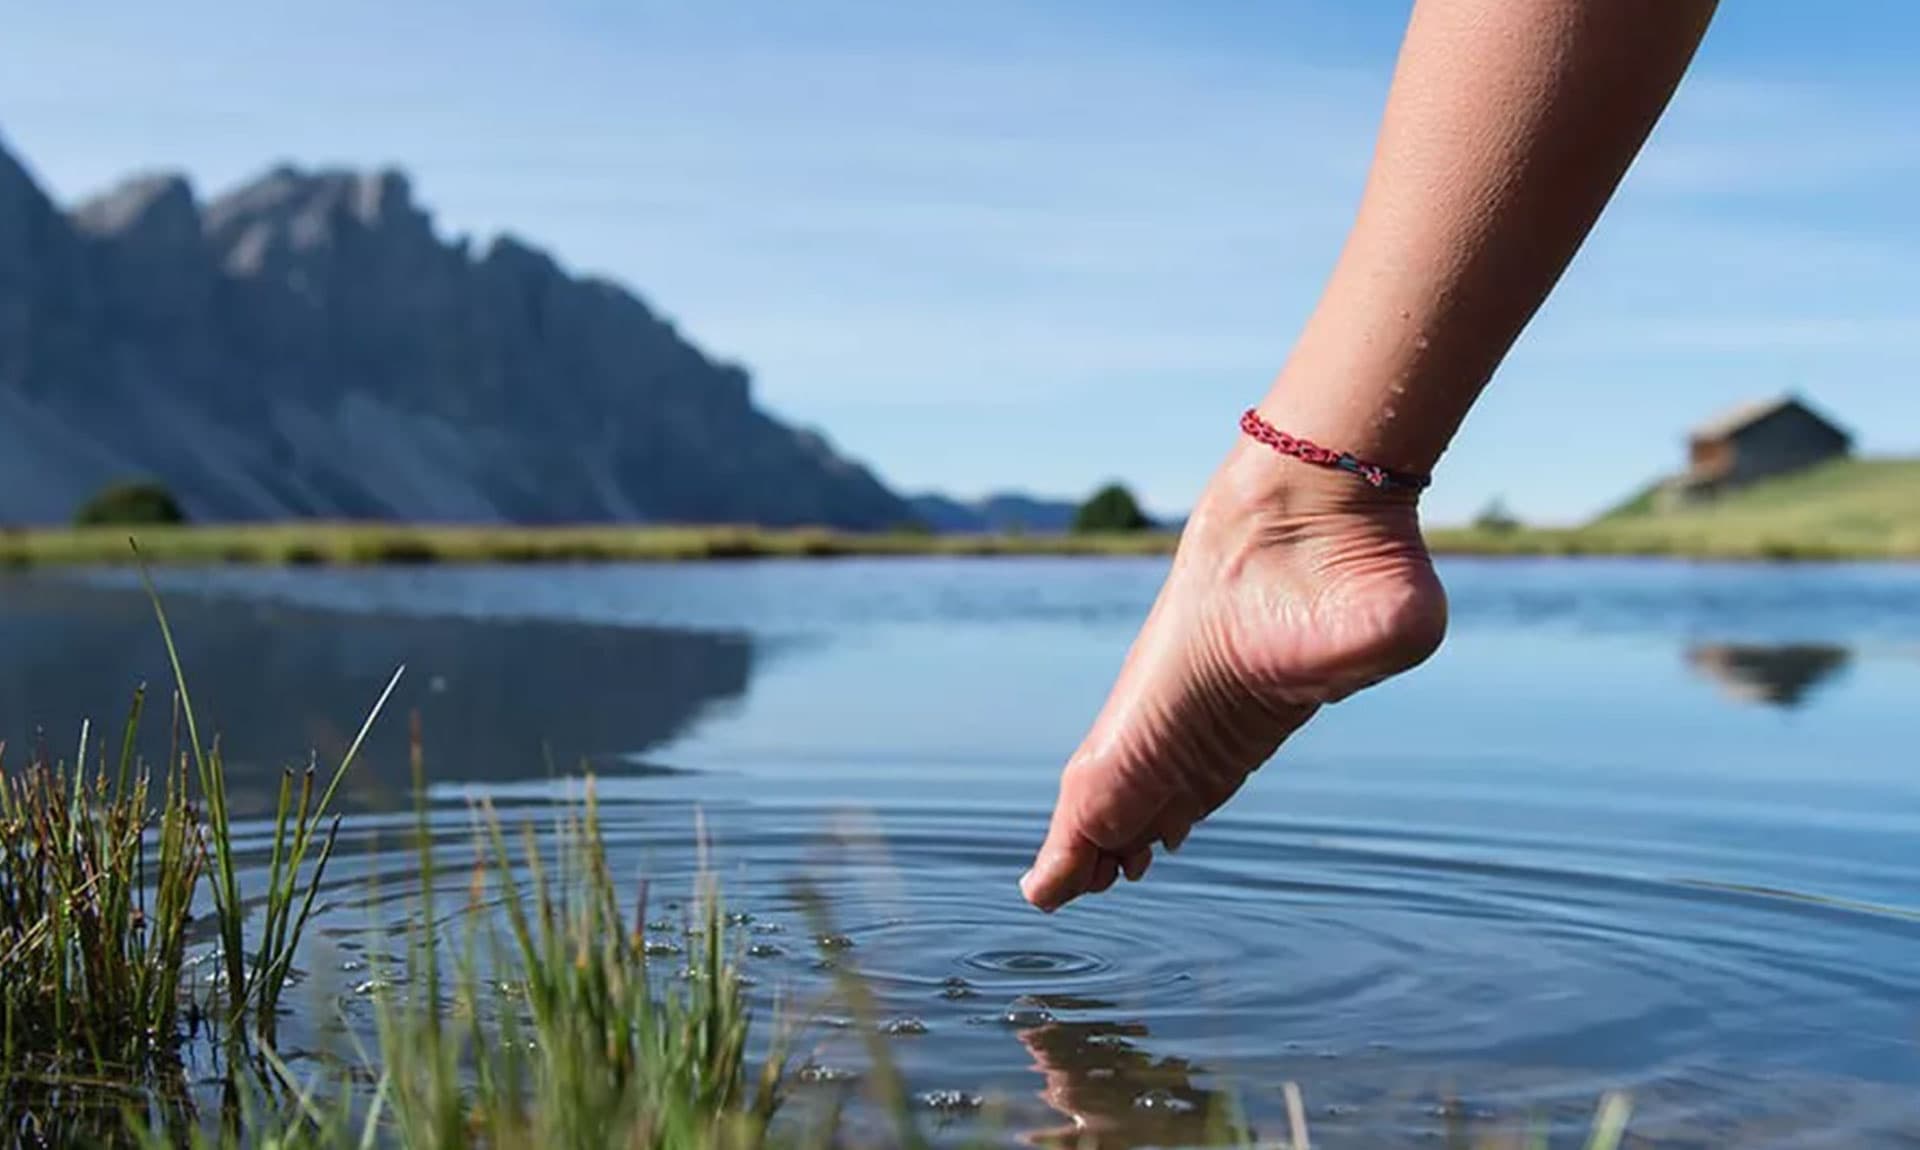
1102	827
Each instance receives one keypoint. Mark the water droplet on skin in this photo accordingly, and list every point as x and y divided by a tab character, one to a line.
951	1101
905	1026
1161	1100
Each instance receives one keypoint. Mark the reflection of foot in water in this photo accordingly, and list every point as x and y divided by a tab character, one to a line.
1780	675
1112	1093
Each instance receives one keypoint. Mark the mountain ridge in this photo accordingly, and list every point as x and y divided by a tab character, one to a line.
307	345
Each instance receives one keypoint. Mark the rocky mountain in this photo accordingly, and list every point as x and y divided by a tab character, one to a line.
308	345
995	514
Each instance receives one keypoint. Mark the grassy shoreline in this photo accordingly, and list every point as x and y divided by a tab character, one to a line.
374	544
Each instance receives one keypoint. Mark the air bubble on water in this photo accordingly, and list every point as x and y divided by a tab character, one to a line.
834	942
814	1072
1162	1100
768	928
372	986
1025	1017
661	948
1338	1110
951	1101
738	918
905	1026
663	924
351	965
834	1022
764	950
1329	1055
957	988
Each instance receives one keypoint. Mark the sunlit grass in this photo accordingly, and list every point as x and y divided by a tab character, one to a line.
97	876
363	544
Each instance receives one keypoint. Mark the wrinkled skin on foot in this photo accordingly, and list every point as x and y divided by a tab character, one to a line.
1293	586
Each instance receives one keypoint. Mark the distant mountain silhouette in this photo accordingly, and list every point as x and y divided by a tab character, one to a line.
307	345
995	513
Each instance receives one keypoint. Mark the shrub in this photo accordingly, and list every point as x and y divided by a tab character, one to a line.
1112	508
138	502
1497	519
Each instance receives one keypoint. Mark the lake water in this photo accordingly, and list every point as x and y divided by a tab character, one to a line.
1643	826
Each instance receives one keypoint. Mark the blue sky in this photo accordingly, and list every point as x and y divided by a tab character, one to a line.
1041	244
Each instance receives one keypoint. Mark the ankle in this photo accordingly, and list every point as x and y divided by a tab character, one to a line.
1257	482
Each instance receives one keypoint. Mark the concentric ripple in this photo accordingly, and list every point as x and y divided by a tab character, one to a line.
1035	963
1276	951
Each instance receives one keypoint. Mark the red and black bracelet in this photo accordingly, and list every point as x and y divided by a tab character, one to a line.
1309	452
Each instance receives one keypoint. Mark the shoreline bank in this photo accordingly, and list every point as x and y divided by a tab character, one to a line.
378	544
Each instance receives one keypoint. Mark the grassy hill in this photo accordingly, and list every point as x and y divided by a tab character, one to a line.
1857	508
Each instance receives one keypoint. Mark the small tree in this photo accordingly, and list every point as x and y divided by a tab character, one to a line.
1496	518
1112	508
136	502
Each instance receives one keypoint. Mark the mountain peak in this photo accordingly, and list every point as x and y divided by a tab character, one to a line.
305	344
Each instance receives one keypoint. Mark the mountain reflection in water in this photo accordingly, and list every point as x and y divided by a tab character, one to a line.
497	702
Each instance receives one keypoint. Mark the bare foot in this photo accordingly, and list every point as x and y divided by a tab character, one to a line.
1293	586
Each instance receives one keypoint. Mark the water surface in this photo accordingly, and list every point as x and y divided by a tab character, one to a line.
1641	825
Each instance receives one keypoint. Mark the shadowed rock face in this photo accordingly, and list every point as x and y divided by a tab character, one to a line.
307	345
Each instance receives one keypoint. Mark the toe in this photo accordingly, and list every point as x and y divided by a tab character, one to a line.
1064	868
